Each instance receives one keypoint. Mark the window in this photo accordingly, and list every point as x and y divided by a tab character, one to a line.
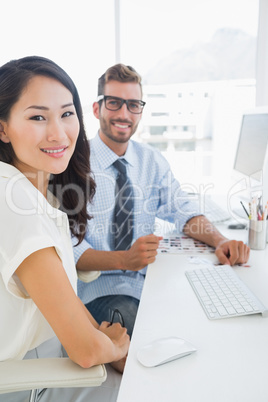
156	95
205	48
203	59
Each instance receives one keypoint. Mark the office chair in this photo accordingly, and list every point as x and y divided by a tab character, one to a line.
88	276
34	374
59	372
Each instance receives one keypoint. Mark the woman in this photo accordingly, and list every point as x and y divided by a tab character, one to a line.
44	165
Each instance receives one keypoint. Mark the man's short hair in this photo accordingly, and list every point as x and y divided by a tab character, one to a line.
118	72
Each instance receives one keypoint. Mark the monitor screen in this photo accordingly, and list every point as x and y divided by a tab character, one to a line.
252	144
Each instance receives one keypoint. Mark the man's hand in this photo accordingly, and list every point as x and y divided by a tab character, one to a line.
142	252
231	252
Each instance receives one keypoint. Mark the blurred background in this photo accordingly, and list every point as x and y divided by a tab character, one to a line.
197	59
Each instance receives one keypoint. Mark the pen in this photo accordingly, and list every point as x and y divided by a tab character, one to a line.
265	212
256	210
253	212
244	208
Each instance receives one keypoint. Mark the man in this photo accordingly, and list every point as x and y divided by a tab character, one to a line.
156	193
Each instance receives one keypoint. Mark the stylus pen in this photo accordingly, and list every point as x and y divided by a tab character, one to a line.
244	208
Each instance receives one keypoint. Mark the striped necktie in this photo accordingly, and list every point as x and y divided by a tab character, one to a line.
124	205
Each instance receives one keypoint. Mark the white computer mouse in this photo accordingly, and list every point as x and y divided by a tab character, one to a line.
163	351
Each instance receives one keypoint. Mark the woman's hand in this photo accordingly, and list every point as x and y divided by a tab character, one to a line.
119	365
120	339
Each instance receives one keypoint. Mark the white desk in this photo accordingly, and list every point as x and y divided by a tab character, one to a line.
231	362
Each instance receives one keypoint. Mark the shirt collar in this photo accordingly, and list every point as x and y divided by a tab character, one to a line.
106	157
52	200
8	171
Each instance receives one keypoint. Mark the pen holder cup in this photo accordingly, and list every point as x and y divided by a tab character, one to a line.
257	235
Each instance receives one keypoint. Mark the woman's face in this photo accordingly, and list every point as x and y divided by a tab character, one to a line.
42	128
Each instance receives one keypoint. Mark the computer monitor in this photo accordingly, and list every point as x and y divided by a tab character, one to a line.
251	160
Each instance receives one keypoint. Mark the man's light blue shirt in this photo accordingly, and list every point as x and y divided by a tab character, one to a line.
156	194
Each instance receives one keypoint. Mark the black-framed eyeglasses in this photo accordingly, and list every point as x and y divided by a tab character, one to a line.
114	103
119	315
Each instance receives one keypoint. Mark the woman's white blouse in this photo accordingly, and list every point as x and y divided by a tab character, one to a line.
28	222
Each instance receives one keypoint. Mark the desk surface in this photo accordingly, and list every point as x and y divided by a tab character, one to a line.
231	362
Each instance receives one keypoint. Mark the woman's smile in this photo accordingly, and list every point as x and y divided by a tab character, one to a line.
55	152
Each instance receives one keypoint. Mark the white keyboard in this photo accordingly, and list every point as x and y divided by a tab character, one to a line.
210	208
214	213
222	294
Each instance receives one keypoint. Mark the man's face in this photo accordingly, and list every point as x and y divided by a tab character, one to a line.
117	127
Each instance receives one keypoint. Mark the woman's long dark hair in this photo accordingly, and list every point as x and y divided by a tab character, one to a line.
75	186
